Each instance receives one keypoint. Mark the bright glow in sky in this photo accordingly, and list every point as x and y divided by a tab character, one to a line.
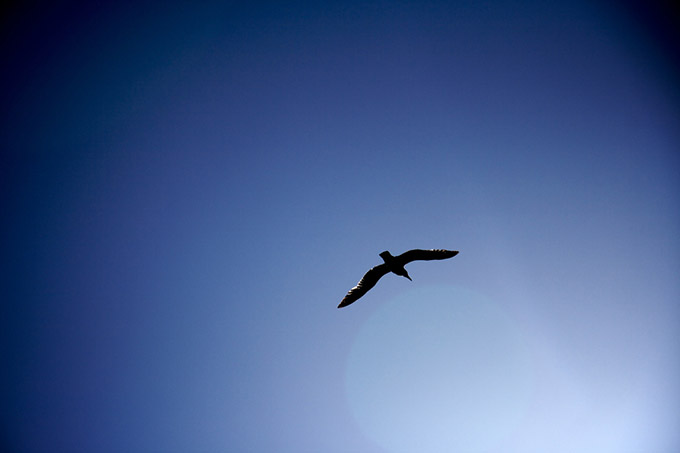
439	369
189	190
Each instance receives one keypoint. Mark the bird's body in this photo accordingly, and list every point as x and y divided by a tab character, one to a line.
394	264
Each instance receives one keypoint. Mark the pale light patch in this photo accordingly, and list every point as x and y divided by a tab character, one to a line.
439	369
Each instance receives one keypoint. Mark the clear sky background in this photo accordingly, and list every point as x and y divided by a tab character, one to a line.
189	190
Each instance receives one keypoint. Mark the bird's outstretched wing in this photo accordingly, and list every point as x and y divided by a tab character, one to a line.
426	255
367	282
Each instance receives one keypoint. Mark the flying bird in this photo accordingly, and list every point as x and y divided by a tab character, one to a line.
394	264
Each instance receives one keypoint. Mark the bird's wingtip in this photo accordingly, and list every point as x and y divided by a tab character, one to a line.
345	303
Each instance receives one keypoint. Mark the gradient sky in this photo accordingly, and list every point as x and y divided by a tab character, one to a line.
189	190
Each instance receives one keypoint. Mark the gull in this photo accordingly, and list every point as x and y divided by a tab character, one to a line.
394	264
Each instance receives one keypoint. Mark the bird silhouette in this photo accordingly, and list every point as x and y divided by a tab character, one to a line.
394	264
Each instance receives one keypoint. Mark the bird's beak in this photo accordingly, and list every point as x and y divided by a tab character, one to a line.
408	277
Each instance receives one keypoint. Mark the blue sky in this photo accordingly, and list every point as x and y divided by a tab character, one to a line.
188	191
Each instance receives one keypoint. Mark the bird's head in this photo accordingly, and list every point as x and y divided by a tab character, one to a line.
386	256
